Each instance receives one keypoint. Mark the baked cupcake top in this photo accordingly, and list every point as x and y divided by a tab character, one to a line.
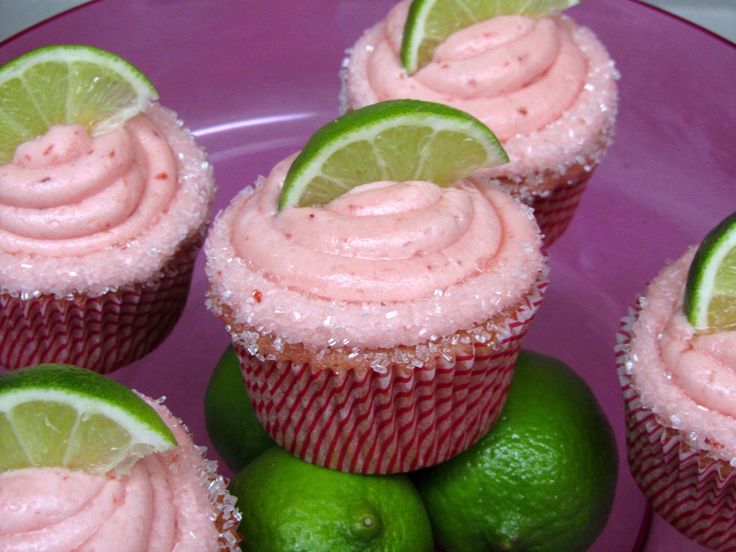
686	378
386	264
89	214
172	500
545	86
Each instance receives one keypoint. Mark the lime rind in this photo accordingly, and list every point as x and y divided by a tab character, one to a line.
712	274
424	30
67	84
58	415
365	126
159	436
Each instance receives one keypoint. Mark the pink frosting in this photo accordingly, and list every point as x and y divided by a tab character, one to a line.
546	87
688	379
162	505
514	73
387	263
82	213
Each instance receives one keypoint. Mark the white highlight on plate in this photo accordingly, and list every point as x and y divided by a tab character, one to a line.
258	121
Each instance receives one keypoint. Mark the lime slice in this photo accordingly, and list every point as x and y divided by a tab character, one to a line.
395	140
431	21
67	84
58	415
710	293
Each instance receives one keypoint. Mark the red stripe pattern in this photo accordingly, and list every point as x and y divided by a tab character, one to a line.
99	333
690	489
395	421
554	212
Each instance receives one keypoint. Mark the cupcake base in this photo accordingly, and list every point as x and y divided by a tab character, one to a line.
394	416
691	489
100	333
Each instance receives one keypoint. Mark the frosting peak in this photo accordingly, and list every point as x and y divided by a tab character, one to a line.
399	240
66	193
81	213
515	74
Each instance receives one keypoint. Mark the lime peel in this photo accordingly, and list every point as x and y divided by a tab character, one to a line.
59	415
710	292
416	125
429	22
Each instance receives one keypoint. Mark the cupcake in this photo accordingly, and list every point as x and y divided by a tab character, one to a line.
547	88
98	237
166	501
376	333
678	389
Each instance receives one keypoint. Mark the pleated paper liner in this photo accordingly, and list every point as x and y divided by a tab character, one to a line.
691	489
554	211
553	197
100	333
412	408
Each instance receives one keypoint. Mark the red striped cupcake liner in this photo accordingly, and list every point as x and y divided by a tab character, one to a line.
554	211
689	488
393	420
100	333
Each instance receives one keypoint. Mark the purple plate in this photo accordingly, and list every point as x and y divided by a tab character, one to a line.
255	79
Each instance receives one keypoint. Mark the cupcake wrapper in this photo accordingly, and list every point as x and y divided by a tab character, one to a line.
554	211
689	488
394	420
100	333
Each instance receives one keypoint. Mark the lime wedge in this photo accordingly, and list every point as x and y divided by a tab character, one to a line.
431	21
395	140
58	415
67	84
710	293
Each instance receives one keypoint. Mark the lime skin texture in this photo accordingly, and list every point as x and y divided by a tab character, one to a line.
291	505
543	478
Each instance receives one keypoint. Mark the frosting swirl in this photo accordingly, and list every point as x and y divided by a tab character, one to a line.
514	73
160	506
689	379
82	213
386	263
66	193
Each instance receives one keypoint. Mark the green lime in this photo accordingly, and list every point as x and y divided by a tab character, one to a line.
394	140
710	293
430	22
67	84
58	415
231	422
291	506
543	479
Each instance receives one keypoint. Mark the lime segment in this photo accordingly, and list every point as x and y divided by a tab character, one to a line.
395	140
431	21
57	415
67	84
710	293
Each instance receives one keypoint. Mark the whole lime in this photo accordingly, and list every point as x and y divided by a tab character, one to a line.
290	505
231	422
542	479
